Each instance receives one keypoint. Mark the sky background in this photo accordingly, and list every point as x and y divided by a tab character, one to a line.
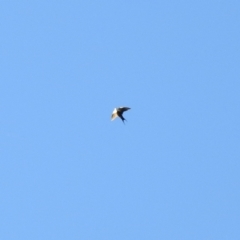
171	172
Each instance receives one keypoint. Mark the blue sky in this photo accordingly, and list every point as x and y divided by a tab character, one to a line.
68	172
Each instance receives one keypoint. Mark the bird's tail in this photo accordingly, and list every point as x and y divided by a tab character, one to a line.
123	119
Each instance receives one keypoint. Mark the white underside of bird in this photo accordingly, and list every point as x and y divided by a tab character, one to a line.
114	114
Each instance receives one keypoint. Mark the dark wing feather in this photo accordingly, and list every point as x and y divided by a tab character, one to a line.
123	109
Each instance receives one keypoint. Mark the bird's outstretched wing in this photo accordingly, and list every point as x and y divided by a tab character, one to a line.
123	109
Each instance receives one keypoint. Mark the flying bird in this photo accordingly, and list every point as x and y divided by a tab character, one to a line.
118	112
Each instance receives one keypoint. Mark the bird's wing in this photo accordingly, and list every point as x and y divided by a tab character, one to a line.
123	109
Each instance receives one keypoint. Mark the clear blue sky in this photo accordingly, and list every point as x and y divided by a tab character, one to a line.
171	172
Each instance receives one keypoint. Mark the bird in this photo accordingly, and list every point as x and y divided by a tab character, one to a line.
118	112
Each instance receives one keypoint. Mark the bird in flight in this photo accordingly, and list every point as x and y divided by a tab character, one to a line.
118	112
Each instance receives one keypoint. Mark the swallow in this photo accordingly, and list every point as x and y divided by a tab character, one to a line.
118	112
